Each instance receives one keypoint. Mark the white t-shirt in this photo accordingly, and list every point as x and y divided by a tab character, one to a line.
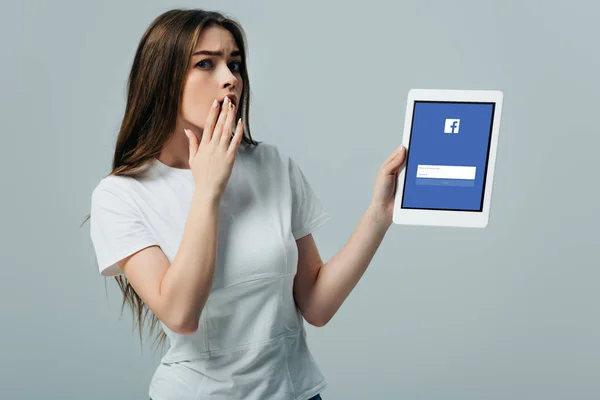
251	341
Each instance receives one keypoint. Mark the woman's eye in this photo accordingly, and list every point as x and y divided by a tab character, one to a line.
203	63
235	66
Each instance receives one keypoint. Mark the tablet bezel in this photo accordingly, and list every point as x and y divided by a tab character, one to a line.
468	219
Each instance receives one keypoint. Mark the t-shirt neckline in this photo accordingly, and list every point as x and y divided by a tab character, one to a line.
171	170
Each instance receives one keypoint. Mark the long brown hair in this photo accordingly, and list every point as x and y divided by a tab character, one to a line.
154	93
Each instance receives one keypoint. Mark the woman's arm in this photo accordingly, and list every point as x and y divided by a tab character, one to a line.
320	289
176	292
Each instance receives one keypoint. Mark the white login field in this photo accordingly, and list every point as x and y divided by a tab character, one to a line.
446	172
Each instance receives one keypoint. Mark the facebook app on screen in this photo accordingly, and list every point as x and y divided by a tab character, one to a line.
448	155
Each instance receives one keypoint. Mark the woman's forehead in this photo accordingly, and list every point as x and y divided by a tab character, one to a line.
216	39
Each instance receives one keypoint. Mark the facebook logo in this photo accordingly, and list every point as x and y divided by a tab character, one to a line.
452	126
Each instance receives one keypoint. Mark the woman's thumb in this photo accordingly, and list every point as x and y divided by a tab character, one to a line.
193	143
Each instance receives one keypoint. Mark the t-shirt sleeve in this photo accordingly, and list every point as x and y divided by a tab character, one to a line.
308	213
117	230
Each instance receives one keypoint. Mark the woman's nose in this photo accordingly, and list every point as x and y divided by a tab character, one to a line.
229	78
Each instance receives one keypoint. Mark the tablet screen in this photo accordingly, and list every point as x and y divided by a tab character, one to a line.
448	155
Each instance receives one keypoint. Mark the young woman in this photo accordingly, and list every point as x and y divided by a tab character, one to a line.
208	231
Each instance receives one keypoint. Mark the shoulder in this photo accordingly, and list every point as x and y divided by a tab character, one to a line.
113	183
267	153
112	190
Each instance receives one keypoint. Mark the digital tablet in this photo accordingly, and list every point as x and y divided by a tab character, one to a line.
451	137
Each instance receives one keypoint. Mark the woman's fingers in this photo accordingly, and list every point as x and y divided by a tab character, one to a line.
192	141
237	138
211	121
228	126
216	135
399	152
395	161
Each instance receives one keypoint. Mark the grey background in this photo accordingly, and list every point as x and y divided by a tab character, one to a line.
508	312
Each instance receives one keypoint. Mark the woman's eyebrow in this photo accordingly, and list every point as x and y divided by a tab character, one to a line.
234	53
